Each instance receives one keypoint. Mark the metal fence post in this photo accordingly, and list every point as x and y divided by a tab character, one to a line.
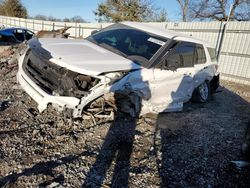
224	32
75	29
222	40
79	30
33	26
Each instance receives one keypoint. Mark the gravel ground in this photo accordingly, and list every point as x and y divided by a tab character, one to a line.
193	148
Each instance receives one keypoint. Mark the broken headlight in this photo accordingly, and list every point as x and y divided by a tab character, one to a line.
84	82
114	76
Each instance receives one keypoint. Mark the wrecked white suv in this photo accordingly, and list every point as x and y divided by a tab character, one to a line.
164	68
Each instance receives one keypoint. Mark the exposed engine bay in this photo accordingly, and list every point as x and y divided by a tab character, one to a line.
56	80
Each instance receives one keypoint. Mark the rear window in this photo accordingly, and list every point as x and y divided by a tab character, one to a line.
212	54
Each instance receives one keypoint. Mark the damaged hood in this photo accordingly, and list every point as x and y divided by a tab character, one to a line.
82	56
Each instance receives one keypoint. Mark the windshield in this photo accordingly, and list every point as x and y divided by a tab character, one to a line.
133	44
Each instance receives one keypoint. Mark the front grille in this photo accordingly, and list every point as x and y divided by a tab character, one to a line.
37	76
45	74
56	80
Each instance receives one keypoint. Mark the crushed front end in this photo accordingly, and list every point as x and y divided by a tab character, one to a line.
48	83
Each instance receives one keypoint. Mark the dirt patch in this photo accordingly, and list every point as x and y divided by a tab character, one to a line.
190	148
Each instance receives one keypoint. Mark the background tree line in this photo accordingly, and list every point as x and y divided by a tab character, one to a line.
13	8
76	19
215	10
144	10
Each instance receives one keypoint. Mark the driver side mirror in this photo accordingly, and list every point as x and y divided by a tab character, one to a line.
171	64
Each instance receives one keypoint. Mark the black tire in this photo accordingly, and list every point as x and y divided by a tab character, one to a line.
128	103
202	93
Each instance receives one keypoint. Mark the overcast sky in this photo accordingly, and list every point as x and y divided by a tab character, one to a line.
85	8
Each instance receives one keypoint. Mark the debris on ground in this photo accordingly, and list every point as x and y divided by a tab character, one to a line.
59	33
241	164
3	105
8	59
193	148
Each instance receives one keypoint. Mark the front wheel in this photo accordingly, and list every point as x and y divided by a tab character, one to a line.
202	93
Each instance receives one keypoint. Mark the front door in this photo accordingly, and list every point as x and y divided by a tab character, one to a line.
173	77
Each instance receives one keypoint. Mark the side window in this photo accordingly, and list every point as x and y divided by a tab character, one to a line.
200	56
28	35
212	54
186	51
19	34
182	55
174	61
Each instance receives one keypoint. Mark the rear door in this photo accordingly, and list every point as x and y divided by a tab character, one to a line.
204	70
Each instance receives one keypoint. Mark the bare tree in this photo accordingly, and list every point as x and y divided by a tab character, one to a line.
219	9
243	11
13	8
128	10
160	16
184	5
77	19
40	17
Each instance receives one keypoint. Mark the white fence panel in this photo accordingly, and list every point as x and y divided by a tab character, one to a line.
232	40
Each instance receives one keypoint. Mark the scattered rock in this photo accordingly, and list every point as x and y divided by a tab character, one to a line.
187	149
241	164
4	105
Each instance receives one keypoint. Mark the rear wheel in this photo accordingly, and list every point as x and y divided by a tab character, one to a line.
202	93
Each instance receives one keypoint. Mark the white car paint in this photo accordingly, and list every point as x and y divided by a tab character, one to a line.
161	90
83	56
40	96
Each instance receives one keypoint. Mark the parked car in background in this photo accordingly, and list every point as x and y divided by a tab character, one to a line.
14	35
164	68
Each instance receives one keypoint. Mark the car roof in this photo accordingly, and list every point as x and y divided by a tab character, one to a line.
6	30
165	33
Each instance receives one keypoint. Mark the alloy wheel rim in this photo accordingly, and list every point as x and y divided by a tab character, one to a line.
203	89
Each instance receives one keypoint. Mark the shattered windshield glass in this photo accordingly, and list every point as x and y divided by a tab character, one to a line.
131	43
